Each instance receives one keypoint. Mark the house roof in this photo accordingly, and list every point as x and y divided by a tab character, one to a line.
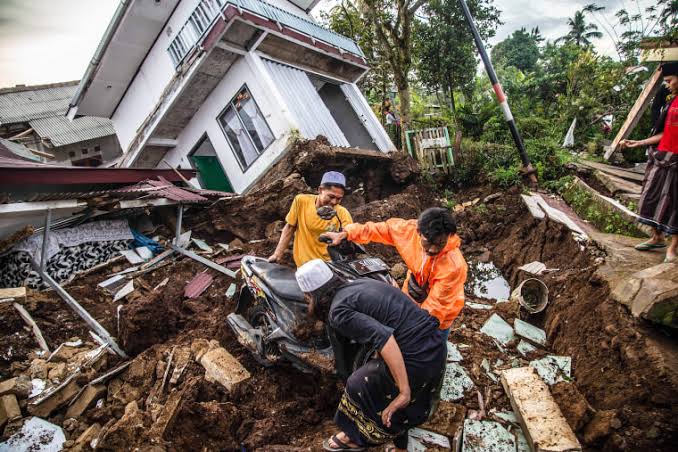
25	103
60	131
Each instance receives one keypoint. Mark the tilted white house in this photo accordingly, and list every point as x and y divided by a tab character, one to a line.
222	86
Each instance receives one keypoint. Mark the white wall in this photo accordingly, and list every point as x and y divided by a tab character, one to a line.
156	72
245	69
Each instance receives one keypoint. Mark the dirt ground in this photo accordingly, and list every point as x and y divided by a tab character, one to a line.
619	398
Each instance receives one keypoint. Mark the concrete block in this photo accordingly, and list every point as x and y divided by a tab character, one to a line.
9	409
222	367
54	399
86	399
84	441
19	386
544	425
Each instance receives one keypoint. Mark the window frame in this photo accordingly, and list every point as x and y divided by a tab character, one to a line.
222	113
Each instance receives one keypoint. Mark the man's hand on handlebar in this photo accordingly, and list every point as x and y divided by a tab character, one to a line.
333	238
275	258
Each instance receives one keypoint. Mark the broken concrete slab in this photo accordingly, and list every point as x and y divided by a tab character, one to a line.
13	293
222	367
524	348
36	435
202	245
9	409
453	354
420	439
533	207
168	413
19	386
485	365
124	291
553	369
455	383
544	425
88	396
487	436
497	328
530	332
652	294
55	398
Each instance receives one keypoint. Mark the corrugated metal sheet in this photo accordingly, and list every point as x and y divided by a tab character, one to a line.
61	131
305	104
362	109
19	149
23	106
198	285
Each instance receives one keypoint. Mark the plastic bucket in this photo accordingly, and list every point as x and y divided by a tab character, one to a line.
532	294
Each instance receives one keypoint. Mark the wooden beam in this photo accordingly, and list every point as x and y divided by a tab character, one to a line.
34	326
643	101
614	170
659	55
544	425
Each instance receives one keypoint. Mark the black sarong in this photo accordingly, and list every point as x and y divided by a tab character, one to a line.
659	199
371	388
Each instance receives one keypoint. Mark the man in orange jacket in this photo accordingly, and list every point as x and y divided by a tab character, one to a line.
430	248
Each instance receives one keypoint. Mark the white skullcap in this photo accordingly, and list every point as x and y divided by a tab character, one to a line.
313	275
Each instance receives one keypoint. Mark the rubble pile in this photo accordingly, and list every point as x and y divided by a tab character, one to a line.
187	380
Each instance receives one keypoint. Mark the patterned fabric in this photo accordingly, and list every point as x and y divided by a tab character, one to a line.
658	205
16	269
96	231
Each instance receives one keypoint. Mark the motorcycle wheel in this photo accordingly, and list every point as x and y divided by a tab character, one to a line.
256	316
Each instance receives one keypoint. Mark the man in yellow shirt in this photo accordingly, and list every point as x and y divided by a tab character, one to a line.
306	225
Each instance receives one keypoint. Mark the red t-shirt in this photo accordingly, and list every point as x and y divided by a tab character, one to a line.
669	141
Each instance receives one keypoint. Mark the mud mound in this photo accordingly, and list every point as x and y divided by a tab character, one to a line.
618	361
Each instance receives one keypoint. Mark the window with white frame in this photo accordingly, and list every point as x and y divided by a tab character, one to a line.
245	128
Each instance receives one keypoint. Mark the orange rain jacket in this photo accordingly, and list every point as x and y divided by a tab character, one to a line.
445	272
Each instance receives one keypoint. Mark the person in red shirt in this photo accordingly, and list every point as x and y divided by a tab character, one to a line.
658	205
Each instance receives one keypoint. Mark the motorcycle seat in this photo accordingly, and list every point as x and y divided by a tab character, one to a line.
279	279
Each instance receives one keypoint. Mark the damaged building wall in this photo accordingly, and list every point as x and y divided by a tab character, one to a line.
245	70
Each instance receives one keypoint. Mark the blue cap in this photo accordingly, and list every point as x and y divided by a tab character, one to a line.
334	178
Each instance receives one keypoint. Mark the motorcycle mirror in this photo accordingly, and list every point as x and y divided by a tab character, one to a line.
326	212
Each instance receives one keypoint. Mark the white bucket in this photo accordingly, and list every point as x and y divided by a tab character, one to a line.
532	294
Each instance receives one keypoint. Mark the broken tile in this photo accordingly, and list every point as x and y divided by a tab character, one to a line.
144	252
497	328
534	268
198	285
529	331
453	353
525	347
473	305
230	291
485	364
202	245
487	436
419	439
507	416
455	383
552	368
126	290
36	435
132	256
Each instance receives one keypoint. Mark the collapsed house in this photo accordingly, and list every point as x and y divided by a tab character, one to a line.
223	86
34	117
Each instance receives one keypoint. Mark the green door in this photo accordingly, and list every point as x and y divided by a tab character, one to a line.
210	173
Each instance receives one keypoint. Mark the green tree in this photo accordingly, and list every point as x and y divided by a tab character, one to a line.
581	32
445	48
520	50
393	21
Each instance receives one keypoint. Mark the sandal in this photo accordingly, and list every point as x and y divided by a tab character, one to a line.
647	246
668	260
342	446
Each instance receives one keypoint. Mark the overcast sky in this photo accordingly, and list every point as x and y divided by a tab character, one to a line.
45	41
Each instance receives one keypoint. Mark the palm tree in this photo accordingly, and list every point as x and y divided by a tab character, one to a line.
581	33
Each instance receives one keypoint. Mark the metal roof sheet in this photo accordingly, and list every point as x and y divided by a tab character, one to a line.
18	149
61	131
33	103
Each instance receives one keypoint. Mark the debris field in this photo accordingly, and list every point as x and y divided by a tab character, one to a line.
608	378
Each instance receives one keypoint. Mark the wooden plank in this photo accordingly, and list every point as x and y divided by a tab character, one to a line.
545	427
34	326
13	292
615	171
643	101
616	184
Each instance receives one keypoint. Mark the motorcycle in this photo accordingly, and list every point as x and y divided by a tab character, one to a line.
271	308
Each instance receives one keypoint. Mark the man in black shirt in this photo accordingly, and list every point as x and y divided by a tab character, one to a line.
392	393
